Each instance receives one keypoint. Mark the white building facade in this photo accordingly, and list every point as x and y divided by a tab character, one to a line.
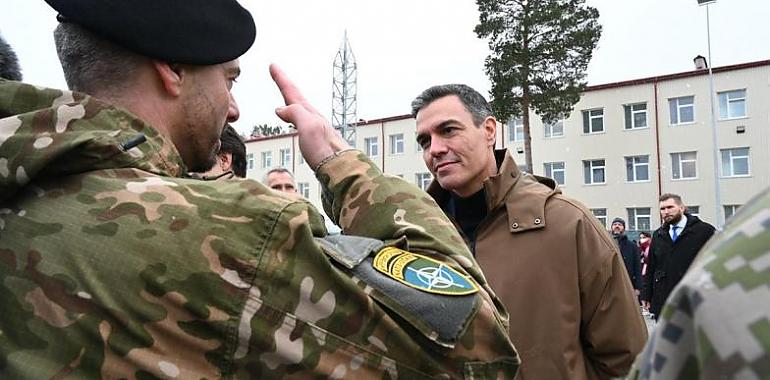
623	145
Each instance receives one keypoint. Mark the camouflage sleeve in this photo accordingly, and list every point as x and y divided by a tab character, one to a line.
365	202
715	324
306	316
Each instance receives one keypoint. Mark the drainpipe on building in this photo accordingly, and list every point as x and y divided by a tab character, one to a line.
657	140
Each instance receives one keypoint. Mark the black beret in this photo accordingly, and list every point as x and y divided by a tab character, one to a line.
197	32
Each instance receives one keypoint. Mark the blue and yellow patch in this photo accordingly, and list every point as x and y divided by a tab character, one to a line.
423	273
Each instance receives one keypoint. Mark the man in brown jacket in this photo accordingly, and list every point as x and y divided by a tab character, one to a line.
573	312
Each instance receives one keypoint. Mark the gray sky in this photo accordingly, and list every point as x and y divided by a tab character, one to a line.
405	46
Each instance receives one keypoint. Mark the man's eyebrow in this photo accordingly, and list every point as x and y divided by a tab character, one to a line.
236	71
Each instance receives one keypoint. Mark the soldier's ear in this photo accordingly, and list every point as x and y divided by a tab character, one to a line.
171	77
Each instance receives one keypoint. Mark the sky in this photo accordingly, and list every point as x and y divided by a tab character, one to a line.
404	46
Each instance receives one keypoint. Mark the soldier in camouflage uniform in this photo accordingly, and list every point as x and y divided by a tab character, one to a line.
716	323
114	265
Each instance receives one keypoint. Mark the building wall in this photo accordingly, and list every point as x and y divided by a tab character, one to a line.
657	140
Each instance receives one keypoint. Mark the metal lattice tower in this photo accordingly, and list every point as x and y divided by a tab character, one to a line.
344	92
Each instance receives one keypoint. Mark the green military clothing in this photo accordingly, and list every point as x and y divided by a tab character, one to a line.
113	265
716	323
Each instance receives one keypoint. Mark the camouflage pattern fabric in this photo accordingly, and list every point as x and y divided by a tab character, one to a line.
112	265
716	323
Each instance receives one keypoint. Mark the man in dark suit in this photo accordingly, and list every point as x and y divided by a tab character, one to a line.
674	246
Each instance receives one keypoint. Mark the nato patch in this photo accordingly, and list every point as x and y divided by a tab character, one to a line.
423	273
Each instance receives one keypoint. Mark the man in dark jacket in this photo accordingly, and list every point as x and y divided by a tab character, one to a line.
674	246
630	253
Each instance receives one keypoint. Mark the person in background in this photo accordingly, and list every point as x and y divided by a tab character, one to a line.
674	246
630	253
644	251
280	179
231	158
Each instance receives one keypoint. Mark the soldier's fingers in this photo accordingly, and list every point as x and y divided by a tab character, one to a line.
289	91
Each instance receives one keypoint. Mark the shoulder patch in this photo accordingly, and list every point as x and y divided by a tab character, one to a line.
423	273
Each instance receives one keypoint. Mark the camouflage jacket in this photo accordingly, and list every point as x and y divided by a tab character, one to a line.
716	323
113	265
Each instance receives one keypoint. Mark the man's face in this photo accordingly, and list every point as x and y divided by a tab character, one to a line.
457	153
617	228
281	181
207	106
670	211
223	165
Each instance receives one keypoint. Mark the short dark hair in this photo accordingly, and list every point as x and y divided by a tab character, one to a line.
277	169
645	234
92	64
668	196
233	143
473	101
9	63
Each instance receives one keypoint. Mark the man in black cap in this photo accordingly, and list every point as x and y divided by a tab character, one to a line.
630	252
114	264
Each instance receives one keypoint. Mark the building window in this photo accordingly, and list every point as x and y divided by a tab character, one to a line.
423	180
553	130
730	210
267	159
300	159
636	115
639	219
694	210
593	172
285	155
250	161
516	130
735	162
397	143
682	110
601	215
554	170
637	168
303	188
372	146
593	121
684	165
732	104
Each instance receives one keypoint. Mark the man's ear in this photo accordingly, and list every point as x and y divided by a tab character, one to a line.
226	161
171	77
490	130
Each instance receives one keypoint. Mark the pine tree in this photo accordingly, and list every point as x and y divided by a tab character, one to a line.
540	53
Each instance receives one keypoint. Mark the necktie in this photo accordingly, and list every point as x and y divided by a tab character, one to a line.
674	235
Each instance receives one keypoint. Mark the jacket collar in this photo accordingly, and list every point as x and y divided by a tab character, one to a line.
522	194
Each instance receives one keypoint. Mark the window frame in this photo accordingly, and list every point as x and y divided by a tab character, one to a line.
266	159
285	157
680	167
601	218
732	160
513	128
678	110
548	167
589	119
591	168
394	143
250	161
423	180
634	165
727	102
372	143
549	127
303	188
633	220
629	114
